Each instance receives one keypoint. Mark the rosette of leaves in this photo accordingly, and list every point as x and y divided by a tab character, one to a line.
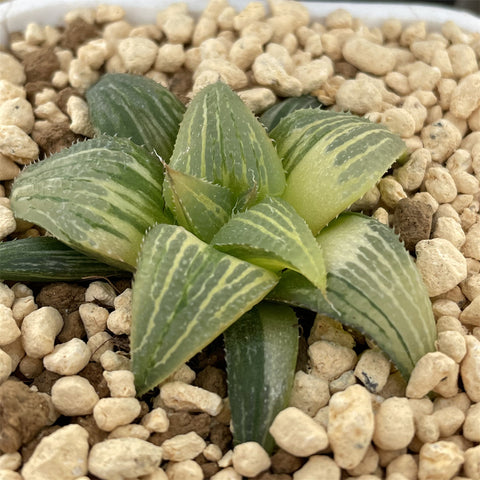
226	227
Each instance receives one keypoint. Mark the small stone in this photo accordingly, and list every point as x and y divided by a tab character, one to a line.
249	459
68	358
413	222
63	454
330	360
350	425
109	413
297	433
183	447
122	458
470	368
439	461
372	370
441	265
74	395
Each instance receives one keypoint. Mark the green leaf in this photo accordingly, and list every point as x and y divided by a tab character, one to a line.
272	235
199	206
98	197
261	352
273	115
222	142
185	294
331	160
136	107
372	286
42	259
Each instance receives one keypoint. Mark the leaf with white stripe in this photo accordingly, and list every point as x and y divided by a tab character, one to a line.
331	159
185	294
136	107
199	206
42	259
372	286
261	353
272	235
221	141
98	197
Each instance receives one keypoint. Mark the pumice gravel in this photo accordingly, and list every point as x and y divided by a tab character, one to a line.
68	406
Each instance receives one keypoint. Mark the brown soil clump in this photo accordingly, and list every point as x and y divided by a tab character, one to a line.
54	137
23	413
77	33
413	222
41	64
212	379
284	462
65	297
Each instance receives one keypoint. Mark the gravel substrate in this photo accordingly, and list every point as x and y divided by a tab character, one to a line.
68	408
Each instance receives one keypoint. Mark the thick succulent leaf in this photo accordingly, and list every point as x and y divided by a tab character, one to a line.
98	197
185	294
272	235
261	352
273	115
42	259
221	141
136	107
373	286
199	206
331	160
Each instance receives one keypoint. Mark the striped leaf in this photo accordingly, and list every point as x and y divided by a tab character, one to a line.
198	205
331	160
136	107
261	352
373	286
185	294
271	117
272	235
98	197
222	142
42	259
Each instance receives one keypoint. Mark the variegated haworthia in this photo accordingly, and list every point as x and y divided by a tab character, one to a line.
227	220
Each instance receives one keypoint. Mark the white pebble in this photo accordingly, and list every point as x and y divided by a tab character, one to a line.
74	395
249	459
121	458
318	467
120	383
180	396
7	222
39	330
156	420
68	358
470	368
329	360
109	413
183	447
62	454
9	330
440	264
350	425
309	393
439	461
297	433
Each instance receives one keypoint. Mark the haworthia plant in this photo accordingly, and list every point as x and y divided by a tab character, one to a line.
373	286
225	225
331	160
137	108
261	353
99	197
185	294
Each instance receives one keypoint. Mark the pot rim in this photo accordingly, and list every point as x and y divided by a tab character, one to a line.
16	14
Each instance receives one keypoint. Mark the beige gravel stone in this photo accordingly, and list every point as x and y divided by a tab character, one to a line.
68	358
249	459
297	433
183	447
110	413
62	454
181	396
318	467
470	368
9	331
74	395
330	360
350	425
122	458
440	264
309	393
439	461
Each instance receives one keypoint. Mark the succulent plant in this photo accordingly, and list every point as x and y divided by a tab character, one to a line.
227	222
